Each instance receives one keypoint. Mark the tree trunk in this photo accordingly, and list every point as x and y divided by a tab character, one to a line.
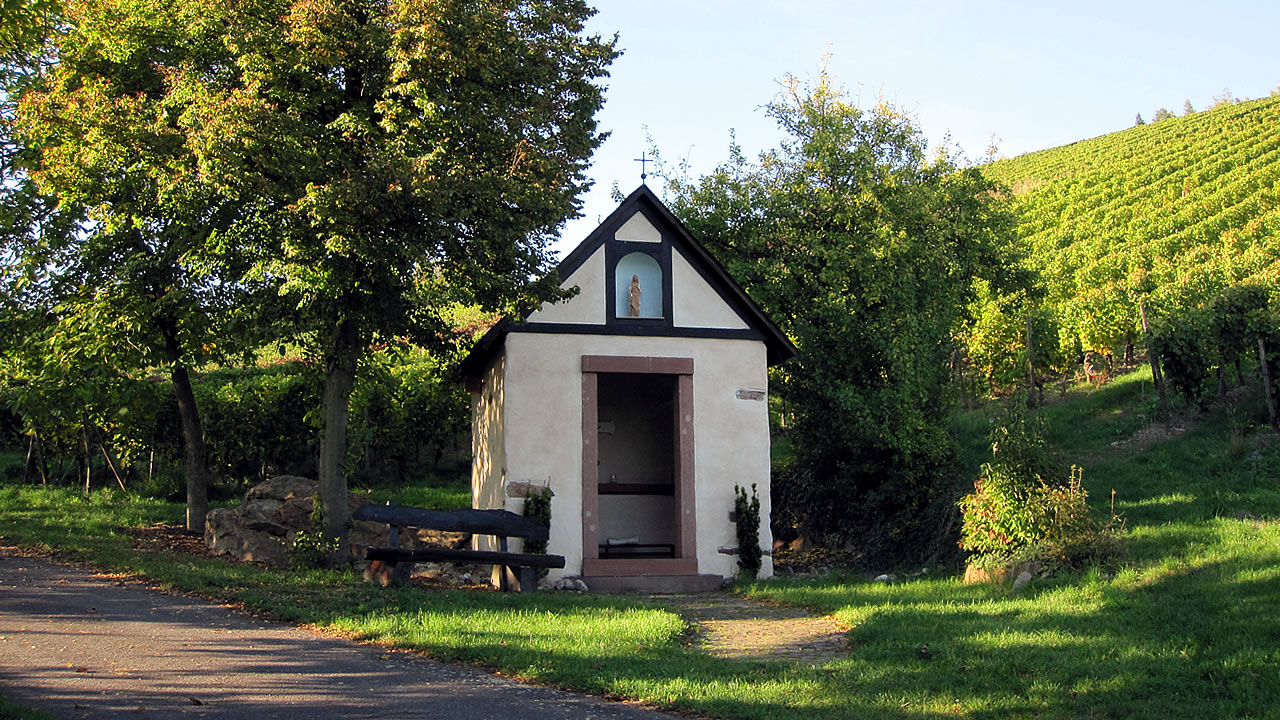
339	377
196	453
1266	385
42	462
1156	376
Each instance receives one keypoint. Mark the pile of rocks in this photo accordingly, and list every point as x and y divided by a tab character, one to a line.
263	527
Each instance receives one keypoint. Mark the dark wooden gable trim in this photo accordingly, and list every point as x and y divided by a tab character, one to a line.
675	238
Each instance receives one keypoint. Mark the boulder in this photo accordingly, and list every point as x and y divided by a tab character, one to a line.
1023	578
226	534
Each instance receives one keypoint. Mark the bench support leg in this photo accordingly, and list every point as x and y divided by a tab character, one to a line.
528	579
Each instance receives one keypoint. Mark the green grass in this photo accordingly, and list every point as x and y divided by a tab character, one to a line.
453	497
1185	625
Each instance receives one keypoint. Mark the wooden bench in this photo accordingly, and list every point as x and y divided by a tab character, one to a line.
501	524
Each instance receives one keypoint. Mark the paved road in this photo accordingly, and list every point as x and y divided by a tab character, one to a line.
84	646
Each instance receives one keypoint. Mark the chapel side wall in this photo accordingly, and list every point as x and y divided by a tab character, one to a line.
488	444
543	440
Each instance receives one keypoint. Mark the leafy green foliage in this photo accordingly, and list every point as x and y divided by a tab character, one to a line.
409	418
1220	333
746	512
864	251
311	547
995	342
1184	355
1231	317
371	164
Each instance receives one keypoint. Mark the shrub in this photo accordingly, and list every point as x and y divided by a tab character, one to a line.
747	515
1015	515
537	504
1181	344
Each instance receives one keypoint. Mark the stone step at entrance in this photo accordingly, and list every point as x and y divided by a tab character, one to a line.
654	583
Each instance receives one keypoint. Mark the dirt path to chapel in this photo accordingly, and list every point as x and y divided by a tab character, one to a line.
731	626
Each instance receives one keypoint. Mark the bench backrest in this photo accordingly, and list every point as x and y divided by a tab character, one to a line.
501	523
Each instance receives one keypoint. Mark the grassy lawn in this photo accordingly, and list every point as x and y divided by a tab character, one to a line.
1184	626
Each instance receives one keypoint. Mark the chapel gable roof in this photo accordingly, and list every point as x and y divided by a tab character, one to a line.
642	221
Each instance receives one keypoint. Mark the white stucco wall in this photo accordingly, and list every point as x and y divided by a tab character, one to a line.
694	304
542	441
585	308
637	228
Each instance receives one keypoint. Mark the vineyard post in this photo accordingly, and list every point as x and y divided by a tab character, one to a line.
1266	385
1156	375
1031	368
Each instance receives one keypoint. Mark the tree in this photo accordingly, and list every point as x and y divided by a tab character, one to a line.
375	161
1137	120
1162	114
864	251
398	157
1187	109
142	244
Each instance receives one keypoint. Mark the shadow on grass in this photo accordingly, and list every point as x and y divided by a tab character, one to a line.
1193	641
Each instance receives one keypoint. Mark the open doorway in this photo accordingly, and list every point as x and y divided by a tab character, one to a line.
638	504
637	467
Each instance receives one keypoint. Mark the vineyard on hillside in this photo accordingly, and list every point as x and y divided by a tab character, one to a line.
1162	217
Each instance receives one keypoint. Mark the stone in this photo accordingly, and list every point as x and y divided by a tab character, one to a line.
568	584
226	534
1000	574
974	574
1021	581
884	579
261	528
449	573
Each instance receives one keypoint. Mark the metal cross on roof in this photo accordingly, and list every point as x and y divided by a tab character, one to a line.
642	160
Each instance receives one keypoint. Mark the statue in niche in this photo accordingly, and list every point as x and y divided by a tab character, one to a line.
633	297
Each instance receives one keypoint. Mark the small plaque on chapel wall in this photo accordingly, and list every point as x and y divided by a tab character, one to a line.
750	394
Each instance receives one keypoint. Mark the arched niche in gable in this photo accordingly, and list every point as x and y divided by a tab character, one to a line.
638	286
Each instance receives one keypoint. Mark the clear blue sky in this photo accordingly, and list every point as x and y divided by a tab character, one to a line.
1035	75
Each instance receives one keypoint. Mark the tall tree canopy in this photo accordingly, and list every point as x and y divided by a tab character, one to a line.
864	250
375	161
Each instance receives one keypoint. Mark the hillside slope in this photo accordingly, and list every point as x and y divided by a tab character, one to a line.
1171	212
